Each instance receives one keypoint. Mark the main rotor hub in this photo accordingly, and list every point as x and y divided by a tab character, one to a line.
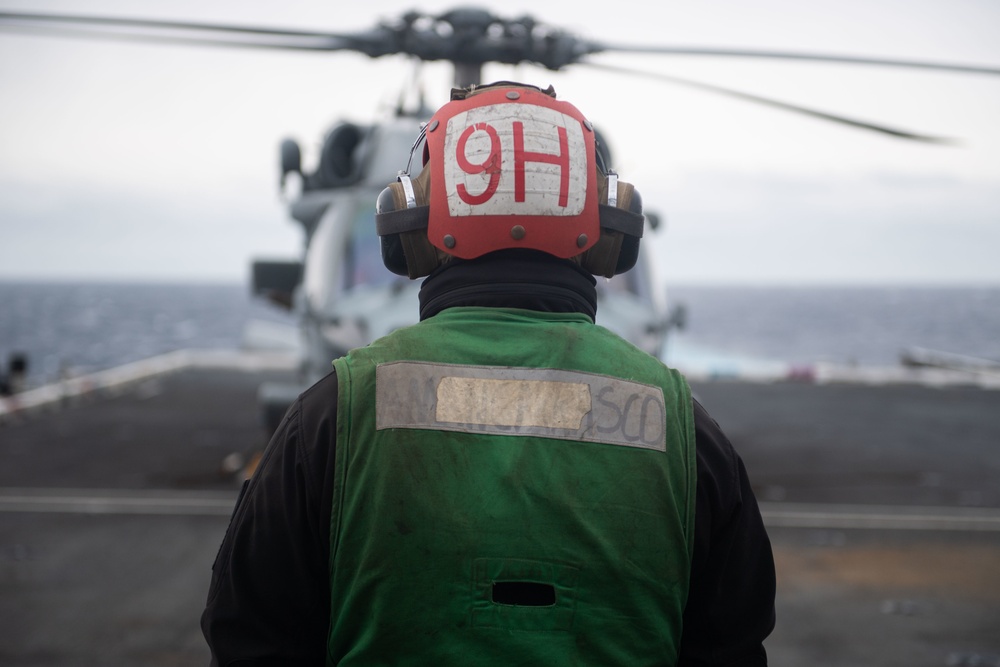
476	36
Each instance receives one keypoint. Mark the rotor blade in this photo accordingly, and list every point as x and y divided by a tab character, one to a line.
598	47
777	104
152	23
189	40
177	32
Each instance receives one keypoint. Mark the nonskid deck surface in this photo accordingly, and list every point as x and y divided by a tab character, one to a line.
882	502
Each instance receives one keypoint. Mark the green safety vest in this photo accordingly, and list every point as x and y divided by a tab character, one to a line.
512	488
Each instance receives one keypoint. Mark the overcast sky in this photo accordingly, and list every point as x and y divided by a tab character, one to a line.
149	162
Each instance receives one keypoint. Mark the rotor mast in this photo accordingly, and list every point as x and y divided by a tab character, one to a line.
469	27
468	74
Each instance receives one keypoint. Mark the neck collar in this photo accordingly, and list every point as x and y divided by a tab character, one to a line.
525	279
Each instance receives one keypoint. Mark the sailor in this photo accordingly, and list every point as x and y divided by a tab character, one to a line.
504	482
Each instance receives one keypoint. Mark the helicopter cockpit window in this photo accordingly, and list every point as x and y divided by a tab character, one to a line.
363	259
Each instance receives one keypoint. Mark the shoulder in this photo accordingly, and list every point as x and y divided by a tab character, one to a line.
304	441
715	450
315	412
319	397
720	470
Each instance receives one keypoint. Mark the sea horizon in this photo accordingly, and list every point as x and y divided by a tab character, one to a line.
85	326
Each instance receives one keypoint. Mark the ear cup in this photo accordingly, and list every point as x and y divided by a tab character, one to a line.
617	250
629	253
406	251
602	258
392	254
390	244
421	257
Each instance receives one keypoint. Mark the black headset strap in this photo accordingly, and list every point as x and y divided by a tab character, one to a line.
621	220
402	220
414	219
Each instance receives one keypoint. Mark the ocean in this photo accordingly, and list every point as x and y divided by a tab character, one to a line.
84	327
866	326
74	328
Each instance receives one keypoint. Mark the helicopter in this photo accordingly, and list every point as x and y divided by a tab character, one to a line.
341	295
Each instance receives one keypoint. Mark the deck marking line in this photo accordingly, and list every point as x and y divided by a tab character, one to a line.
775	515
881	517
104	501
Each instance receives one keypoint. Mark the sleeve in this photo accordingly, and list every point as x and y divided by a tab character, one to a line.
268	603
730	608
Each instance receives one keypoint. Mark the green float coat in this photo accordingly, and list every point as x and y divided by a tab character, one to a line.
473	526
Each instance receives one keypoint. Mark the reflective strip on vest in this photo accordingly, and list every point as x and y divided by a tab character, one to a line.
551	403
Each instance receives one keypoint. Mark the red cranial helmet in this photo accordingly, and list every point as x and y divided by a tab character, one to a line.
509	166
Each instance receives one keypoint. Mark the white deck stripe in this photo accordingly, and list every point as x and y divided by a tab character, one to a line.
114	379
868	517
115	501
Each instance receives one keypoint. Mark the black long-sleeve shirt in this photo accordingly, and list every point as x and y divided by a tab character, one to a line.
269	602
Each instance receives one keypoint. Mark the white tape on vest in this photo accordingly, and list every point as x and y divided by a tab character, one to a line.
566	405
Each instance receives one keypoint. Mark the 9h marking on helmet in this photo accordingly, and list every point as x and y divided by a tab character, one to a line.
506	153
